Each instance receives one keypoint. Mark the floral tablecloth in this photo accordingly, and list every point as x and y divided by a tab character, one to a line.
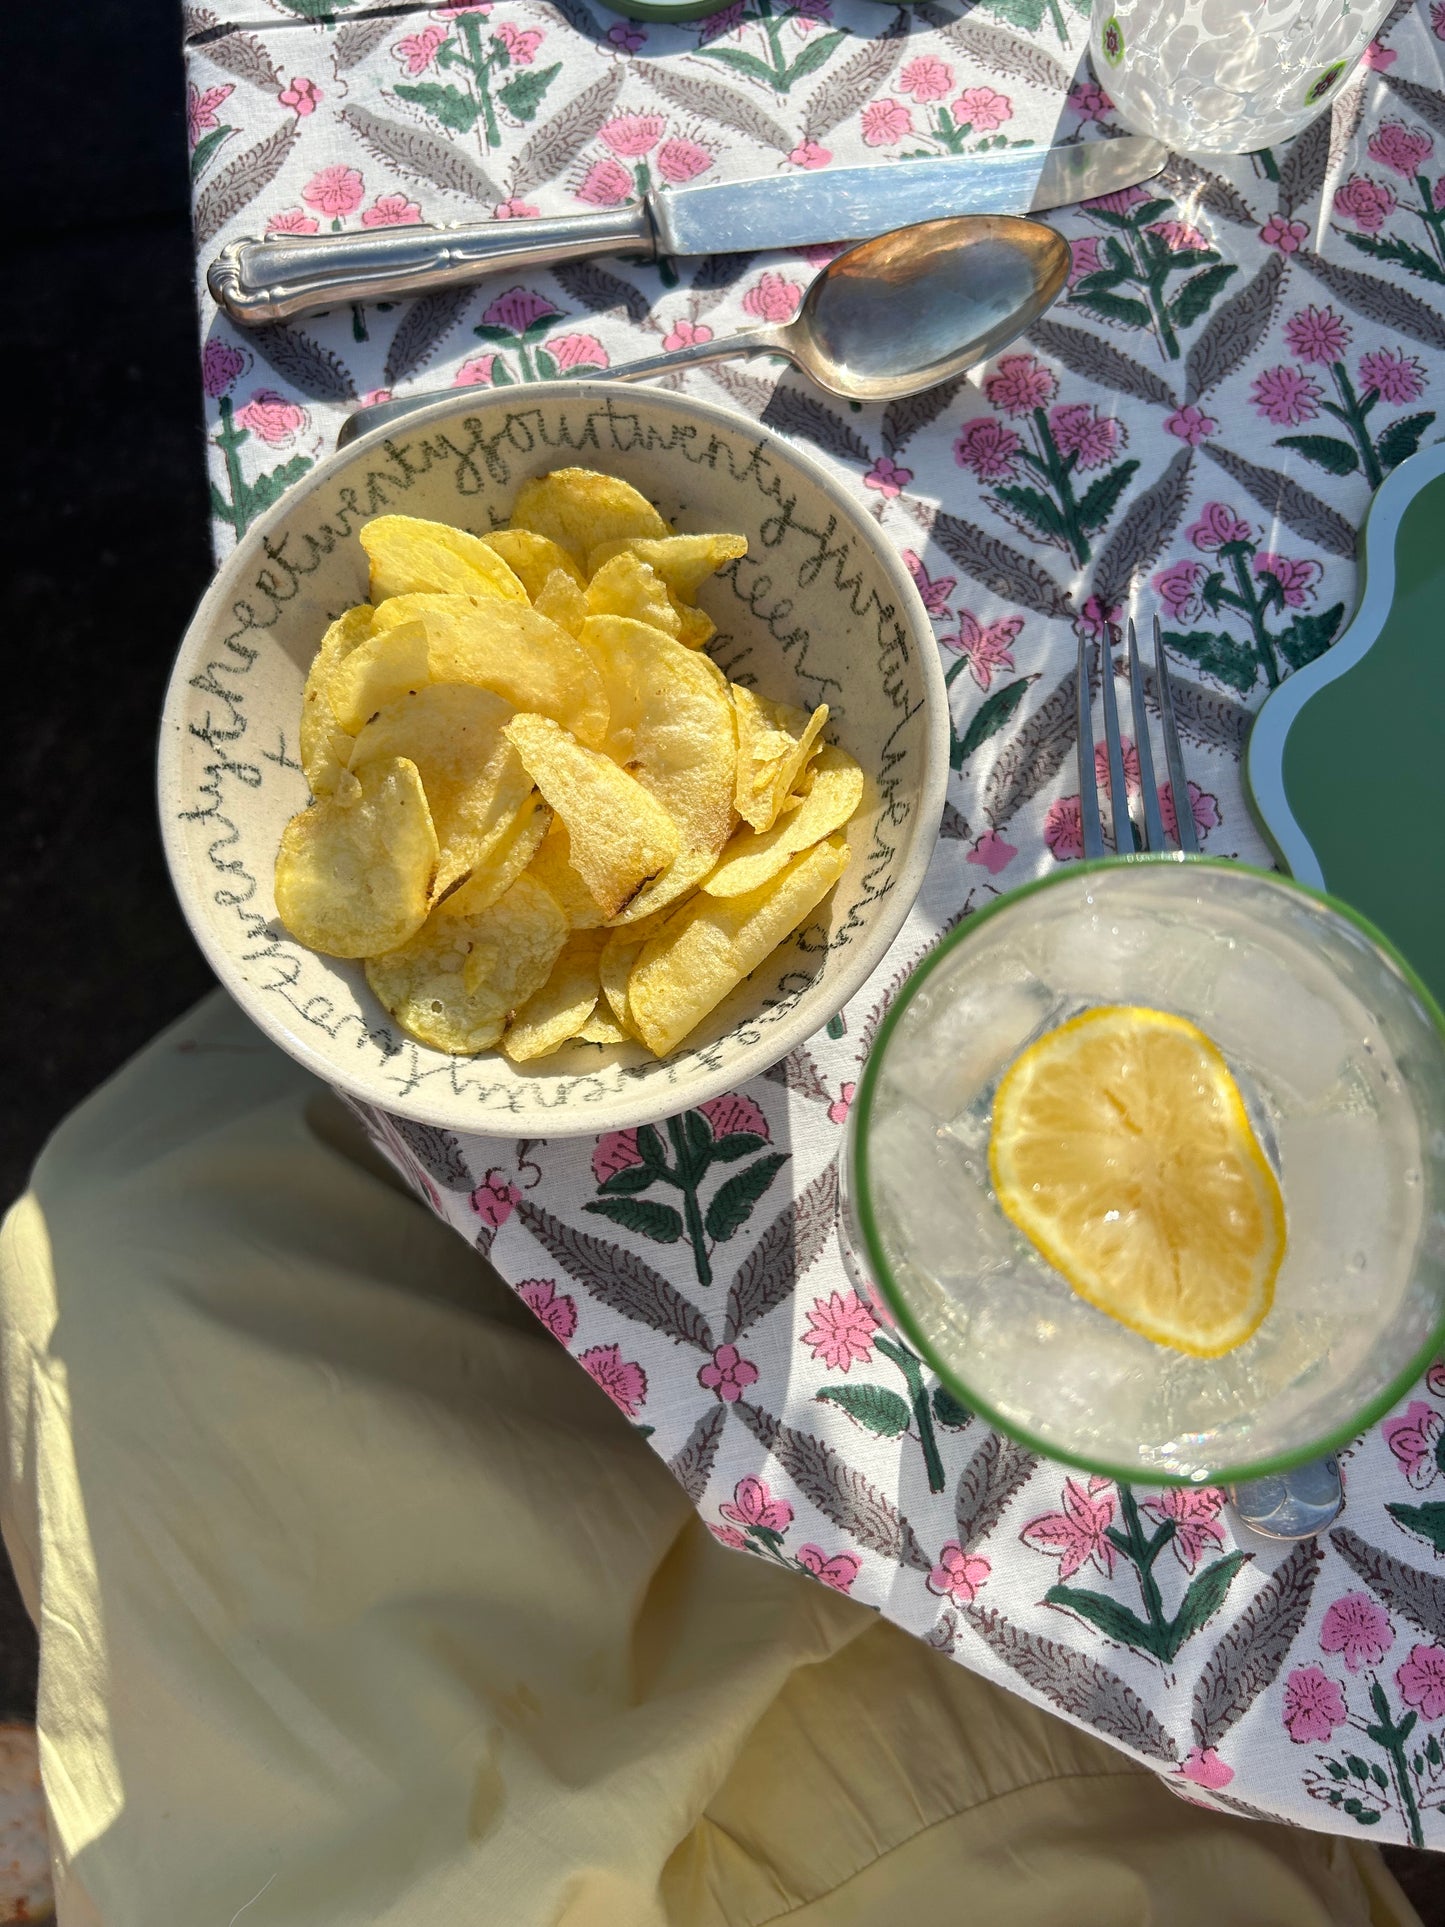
1245	350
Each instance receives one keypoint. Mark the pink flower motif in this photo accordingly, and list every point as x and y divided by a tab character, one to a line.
992	853
958	1576
1286	235
682	160
1414	1439
838	1110
728	1374
821	253
1365	202
1285	396
726	20
1358	1629
1120	201
885	122
808	13
1317	334
1437	19
494	1200
842	1331
988	448
627	36
1217	525
772	298
418	50
1095	619
1128	755
1019	385
632	135
517	310
734	1113
391	210
1203	807
1435	1378
1064	829
935	591
624	1381
271	418
985	649
1295	577
686	334
1179	586
1191	425
558	1314
1314	1705
887	477
293	221
474	372
301	97
514	210
336	190
1079	429
201	109
606	183
1205	1768
809	154
982	109
1195	1512
1394	375
753	1505
221	366
926	78
1404	150
1379	58
1421	1680
615	1152
1086	259
728	1536
1178	236
374	396
576	351
1089	101
1077	1535
839	1572
520	42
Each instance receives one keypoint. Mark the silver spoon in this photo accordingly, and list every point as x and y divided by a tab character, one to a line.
891	317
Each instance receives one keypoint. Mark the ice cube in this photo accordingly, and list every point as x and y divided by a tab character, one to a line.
1262	1013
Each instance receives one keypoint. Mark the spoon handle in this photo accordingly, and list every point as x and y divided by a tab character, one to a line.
758	341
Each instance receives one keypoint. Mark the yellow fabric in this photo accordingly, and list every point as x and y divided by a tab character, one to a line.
360	1603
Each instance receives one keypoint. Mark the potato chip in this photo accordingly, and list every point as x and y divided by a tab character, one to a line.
354	878
602	1027
384	666
412	557
579	509
458	980
506	856
532	558
626	587
563	602
683	561
620	837
614	967
474	781
509	648
325	745
553	1015
695	627
672	728
774	742
755	855
552	867
707	948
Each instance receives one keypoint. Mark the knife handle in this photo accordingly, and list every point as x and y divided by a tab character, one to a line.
258	282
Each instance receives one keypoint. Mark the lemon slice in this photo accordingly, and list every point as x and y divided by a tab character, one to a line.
1122	1150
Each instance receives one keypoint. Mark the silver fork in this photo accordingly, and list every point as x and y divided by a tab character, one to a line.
1301	1502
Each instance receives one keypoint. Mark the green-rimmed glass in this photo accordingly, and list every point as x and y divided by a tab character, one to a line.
1339	1052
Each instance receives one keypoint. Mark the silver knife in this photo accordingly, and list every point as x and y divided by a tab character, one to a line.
261	281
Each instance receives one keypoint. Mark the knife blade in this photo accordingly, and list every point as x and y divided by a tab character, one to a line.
258	282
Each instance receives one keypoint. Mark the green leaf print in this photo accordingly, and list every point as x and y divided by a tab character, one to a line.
1400	440
873	1407
1203	1599
206	147
1112	1618
1101	497
1428	1521
992	715
1188	303
453	108
948	1411
522	95
733	1202
1336	457
1309	636
650	1220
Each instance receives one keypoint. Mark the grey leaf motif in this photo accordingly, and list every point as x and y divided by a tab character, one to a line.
1233	331
990	1479
1420	1596
1002	53
1034	755
241	180
1097	360
763	1426
797	1072
420	331
1379	301
1393	18
1249	1656
245	56
902	419
1076	1684
356	39
793	412
1204	716
1345	118
853	81
1423	102
716	273
1001	569
1302	171
600	292
1144	533
1279	495
619	1279
692	1466
315	370
954	827
437	1151
1188	181
753	394
790	1246
196	21
874	1019
843	1495
416	156
556	145
715	103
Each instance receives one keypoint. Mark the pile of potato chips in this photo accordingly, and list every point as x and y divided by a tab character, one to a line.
541	813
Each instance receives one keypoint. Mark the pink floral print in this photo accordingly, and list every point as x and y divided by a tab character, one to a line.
1064	830
958	1575
1395	376
335	191
624	1382
1404	150
1085	258
521	43
557	1313
988	448
517	310
293	221
1080	430
810	154
686	334
1295	576
1358	1628
1191	425
754	1505
1435	1378
992	853
1217	525
1179	585
1314	1705
1179	236
728	1536
982	109
632	135
271	418
935	590
576	351
1194	1509
773	298
681	160
885	122
418	50
1205	1768
1282	233
606	183
841	1331
615	1152
1421	1681
1414	1439
494	1200
1202	806
391	210
838	1110
1285	396
201	109
887	477
301	96
1379	58
514	210
475	371
732	1113
728	1374
926	78
839	1572
1090	102
1019	385
986	649
221	367
1365	202
1076	1535
1317	334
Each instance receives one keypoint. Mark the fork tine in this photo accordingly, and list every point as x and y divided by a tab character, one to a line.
1154	838
1173	756
1118	789
1089	825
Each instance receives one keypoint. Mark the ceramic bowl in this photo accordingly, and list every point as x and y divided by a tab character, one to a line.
821	610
